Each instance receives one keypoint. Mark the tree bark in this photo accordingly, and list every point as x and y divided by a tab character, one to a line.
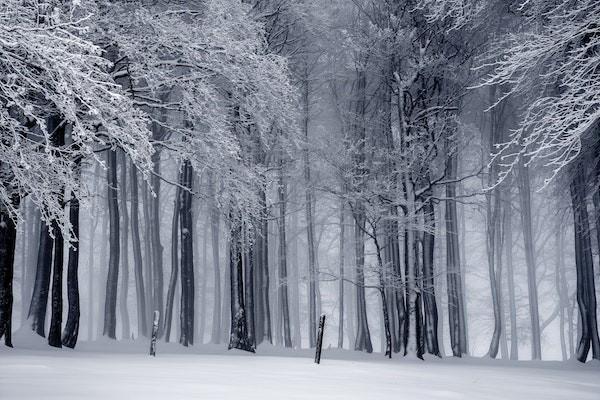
525	200
8	239
187	257
125	328
282	287
174	262
142	313
586	293
214	225
112	280
41	287
71	331
429	302
54	334
238	338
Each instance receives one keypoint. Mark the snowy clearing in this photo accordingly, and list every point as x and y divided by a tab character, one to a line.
209	372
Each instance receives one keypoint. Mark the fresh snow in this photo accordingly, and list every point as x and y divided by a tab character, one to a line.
117	370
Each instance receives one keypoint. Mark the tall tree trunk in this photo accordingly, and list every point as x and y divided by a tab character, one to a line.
309	200
54	334
341	277
33	237
294	284
429	302
71	331
142	313
263	305
125	328
238	338
174	262
214	225
525	200
187	257
282	287
8	239
112	279
514	341
41	287
148	284
363	336
157	249
456	318
586	293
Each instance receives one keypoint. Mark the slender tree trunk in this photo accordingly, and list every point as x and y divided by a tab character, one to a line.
214	223
187	257
456	319
562	301
41	288
282	287
514	343
174	262
54	334
142	313
146	201
363	336
429	302
157	249
33	237
125	329
341	278
8	239
525	200
71	331
294	284
112	280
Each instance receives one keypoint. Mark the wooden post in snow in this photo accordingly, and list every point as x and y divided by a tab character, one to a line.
320	339
154	333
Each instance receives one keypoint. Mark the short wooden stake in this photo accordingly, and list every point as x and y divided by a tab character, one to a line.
320	339
154	333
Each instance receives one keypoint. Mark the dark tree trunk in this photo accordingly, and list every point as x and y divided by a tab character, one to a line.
174	262
586	293
238	338
341	277
54	334
71	331
263	308
41	287
429	302
157	249
363	336
282	287
142	313
187	257
8	239
112	280
456	318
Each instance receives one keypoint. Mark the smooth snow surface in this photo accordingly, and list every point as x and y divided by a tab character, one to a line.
93	373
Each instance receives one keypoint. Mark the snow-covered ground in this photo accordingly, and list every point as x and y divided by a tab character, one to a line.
123	371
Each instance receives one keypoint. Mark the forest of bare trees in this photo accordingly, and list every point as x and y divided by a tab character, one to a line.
425	173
